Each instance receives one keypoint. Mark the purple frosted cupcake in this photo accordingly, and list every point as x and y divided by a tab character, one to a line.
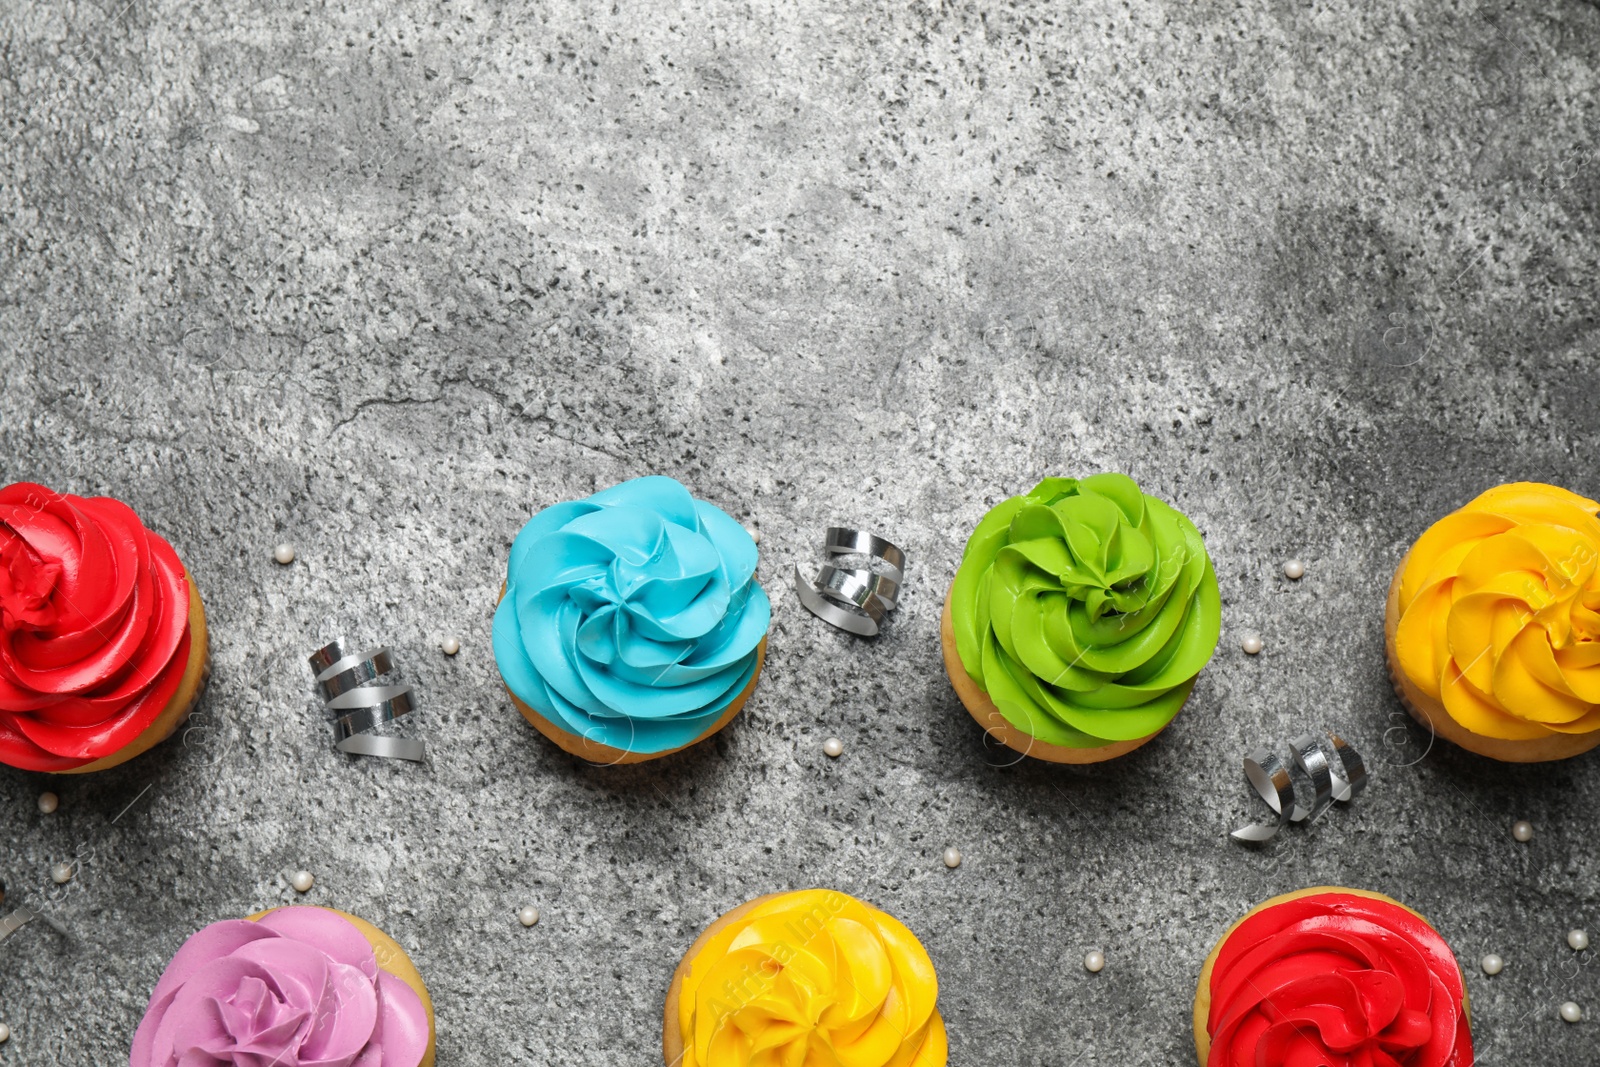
291	987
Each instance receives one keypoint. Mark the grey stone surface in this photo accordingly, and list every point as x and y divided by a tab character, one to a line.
383	279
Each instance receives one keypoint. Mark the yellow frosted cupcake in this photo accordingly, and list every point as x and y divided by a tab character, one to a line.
1493	625
799	978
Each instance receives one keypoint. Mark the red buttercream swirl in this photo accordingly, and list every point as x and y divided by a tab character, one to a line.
94	627
1337	980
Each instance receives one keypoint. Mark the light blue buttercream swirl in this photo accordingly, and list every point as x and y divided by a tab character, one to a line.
631	618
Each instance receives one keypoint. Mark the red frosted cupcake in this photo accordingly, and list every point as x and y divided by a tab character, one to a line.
1332	977
102	637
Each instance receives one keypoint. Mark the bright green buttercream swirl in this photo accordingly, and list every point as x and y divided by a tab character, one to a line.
1086	609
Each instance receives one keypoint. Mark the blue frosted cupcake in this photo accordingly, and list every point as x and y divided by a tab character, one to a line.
631	624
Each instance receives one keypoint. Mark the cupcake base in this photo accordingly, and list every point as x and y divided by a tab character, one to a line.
981	708
595	752
671	1033
1202	994
183	701
391	958
1431	714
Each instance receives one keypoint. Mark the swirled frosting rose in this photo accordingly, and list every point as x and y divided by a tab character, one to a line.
631	618
299	988
94	627
1500	613
1337	980
1085	609
814	977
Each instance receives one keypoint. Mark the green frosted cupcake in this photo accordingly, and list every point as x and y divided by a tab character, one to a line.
1079	618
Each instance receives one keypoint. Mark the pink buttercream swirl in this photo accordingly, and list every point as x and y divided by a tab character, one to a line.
299	988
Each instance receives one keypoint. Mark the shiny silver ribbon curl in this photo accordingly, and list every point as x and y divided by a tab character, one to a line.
845	542
854	599
1338	780
350	690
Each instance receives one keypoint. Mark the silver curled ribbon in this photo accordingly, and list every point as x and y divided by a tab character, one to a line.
360	705
854	599
1337	780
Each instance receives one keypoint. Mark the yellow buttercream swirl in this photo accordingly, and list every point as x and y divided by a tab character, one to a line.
1500	613
811	979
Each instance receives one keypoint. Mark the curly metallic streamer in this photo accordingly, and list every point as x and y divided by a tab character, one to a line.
1339	780
854	599
348	688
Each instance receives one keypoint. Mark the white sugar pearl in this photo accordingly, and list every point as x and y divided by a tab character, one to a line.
1094	962
449	646
284	553
1571	1013
302	881
1294	569
952	857
5	1033
833	747
61	873
1251	644
1522	831
1493	964
528	916
1578	940
48	803
755	534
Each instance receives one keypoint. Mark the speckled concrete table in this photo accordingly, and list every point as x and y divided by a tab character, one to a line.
383	279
